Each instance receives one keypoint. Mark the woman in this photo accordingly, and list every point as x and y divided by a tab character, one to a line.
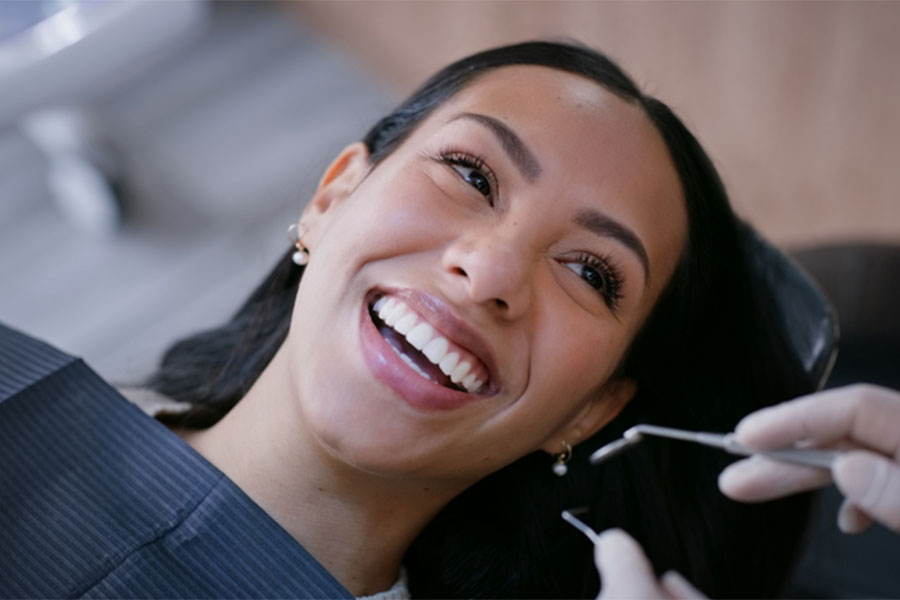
525	257
575	238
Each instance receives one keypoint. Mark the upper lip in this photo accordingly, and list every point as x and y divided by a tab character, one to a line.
442	317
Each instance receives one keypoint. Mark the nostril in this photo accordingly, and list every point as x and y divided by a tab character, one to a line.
501	304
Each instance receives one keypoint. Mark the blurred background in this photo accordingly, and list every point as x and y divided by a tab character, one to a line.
153	153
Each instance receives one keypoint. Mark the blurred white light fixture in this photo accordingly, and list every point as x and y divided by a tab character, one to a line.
56	56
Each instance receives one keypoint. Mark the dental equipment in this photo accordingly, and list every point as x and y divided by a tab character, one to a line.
580	525
813	457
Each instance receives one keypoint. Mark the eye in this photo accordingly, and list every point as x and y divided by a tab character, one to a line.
473	171
478	181
601	274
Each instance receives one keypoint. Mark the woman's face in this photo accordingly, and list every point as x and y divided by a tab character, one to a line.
527	227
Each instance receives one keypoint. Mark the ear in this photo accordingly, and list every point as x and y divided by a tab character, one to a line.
594	415
339	180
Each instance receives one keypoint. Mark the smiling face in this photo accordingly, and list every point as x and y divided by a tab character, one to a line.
468	299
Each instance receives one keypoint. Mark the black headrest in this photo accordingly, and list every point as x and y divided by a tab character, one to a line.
801	308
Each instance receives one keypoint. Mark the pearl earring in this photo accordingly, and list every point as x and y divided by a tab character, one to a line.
560	467
301	255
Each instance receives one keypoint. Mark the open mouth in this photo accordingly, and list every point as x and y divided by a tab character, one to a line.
427	351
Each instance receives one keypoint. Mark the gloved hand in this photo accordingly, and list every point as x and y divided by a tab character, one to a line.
626	572
862	419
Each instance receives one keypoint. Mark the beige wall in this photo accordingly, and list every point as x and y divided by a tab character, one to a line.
797	103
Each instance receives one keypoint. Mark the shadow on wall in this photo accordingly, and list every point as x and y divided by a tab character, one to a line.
861	281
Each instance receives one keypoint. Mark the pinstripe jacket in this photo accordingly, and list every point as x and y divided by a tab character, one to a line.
99	500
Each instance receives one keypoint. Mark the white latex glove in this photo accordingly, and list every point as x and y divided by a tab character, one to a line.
626	572
863	419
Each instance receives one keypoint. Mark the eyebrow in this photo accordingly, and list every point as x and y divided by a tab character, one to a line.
605	226
518	152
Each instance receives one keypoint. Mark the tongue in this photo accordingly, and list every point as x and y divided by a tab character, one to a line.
404	348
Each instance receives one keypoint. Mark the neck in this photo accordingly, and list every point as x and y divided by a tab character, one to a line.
358	525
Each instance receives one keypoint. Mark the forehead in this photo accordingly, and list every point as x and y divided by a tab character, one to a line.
593	147
573	121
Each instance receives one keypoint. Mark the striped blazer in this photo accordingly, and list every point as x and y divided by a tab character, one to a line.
99	500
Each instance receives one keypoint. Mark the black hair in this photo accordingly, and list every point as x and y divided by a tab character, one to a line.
706	356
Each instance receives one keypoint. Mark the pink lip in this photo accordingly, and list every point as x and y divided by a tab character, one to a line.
390	369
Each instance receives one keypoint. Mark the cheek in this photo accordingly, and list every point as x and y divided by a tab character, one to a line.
398	213
577	355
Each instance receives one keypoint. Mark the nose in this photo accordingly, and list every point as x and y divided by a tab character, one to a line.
491	272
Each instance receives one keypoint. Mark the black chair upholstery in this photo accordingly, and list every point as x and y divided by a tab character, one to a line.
863	282
802	308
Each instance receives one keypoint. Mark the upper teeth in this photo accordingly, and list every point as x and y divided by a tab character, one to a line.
423	337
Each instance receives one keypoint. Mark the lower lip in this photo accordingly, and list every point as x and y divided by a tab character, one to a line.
389	368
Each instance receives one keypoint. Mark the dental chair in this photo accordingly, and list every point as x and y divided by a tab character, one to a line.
802	309
862	281
56	56
811	286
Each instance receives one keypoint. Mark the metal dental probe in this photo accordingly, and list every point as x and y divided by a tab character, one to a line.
569	516
803	456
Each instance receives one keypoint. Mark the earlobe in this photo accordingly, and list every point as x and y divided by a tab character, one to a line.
595	414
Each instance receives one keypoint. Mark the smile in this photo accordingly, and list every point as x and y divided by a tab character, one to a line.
424	349
414	344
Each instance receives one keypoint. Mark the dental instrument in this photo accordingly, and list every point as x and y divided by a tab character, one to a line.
726	441
580	525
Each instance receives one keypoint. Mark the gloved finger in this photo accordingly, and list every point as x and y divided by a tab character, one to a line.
759	478
852	520
865	414
872	483
625	571
679	588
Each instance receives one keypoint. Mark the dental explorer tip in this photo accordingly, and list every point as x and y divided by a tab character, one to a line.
630	437
633	434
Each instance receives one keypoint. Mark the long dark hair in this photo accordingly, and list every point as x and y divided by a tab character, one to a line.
705	357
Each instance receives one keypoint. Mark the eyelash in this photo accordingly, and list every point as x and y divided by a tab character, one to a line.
458	158
610	286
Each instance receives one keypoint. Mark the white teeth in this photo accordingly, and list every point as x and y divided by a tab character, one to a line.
423	337
448	363
405	324
420	335
385	308
435	350
394	315
461	370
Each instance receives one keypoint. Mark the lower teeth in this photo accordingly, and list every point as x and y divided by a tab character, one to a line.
413	364
409	361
